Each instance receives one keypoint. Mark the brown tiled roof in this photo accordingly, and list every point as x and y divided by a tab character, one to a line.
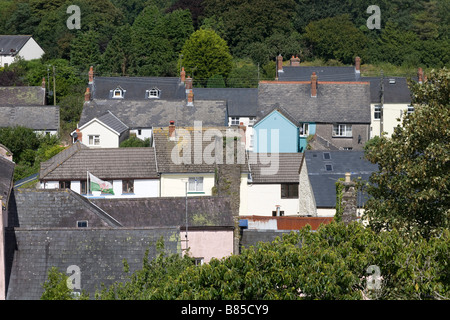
197	159
275	167
105	163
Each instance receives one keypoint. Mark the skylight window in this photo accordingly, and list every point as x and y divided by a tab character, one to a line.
328	167
326	156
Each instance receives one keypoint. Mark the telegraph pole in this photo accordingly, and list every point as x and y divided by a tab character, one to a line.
54	87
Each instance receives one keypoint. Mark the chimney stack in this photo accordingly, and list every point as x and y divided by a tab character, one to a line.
91	75
349	208
242	130
314	85
188	84
358	65
295	61
183	75
43	83
420	75
87	94
279	64
171	129
79	136
190	99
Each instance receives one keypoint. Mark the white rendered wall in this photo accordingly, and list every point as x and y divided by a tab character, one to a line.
263	198
108	138
173	185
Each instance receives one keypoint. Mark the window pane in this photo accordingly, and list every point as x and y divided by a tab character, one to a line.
191	184
200	184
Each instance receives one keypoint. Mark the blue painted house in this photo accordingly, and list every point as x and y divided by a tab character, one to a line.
280	132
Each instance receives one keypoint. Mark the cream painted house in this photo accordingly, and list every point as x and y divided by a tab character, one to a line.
281	190
390	99
106	131
14	46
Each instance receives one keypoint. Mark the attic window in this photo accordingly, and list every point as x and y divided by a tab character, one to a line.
118	93
153	93
82	224
391	81
326	156
328	167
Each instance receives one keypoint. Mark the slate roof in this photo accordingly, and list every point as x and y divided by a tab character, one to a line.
196	160
343	102
55	208
396	90
242	102
282	168
22	96
323	181
33	117
11	44
98	252
171	88
169	211
105	163
157	113
324	73
110	120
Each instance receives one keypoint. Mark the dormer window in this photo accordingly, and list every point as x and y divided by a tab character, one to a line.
153	93
118	93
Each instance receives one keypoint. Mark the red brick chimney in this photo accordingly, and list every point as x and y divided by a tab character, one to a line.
183	75
242	130
79	135
420	75
279	63
91	74
171	129
313	85
43	83
190	98
358	64
188	83
87	94
295	61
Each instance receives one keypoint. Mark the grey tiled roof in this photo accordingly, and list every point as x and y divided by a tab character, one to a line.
171	88
242	102
282	168
396	90
98	252
323	181
113	122
104	163
346	102
196	160
157	113
22	96
325	73
33	117
55	208
12	42
160	212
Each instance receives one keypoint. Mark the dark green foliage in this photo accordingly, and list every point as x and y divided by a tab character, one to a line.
135	142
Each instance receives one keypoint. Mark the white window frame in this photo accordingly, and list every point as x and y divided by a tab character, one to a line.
251	121
304	130
153	93
120	95
95	139
410	109
377	111
235	121
342	130
195	184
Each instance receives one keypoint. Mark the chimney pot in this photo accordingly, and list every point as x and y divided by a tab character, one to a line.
189	83
358	64
183	74
280	63
43	82
171	129
87	94
313	85
295	61
190	99
91	74
420	75
79	136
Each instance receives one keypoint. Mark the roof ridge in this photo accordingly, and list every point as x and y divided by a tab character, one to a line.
54	164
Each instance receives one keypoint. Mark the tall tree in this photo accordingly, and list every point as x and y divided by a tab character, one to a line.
205	54
411	190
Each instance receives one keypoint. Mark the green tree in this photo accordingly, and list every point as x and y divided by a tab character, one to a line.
243	75
134	141
85	50
204	55
118	55
336	38
411	190
55	287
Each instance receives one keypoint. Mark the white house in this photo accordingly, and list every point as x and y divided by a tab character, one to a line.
23	46
279	186
132	171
